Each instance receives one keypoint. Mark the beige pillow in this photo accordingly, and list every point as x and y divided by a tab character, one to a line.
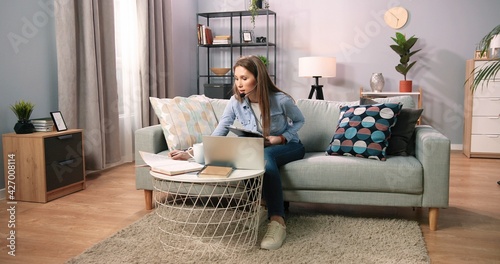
184	120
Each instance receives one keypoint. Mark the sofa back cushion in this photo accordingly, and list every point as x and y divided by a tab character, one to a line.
321	118
218	105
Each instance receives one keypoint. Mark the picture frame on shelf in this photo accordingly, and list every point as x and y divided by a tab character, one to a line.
58	121
247	36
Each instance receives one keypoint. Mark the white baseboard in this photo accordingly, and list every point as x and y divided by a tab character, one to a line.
457	147
2	194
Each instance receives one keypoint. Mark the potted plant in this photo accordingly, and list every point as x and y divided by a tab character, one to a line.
255	6
23	112
263	59
403	49
489	70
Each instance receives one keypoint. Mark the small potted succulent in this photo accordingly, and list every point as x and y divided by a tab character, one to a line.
263	59
23	111
403	49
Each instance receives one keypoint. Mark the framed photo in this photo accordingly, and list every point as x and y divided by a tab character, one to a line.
58	121
247	35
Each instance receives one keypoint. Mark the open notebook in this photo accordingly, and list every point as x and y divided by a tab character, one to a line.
165	165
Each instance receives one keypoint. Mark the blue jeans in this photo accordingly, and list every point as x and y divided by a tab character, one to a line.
272	190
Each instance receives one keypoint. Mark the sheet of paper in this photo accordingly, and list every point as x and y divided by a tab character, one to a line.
167	165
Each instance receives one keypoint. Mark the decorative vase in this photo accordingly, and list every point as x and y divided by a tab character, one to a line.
405	86
259	4
24	127
377	82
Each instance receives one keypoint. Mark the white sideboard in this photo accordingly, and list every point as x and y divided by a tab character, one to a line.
481	116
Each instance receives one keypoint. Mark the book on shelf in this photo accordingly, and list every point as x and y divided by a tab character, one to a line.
205	36
241	132
44	124
44	128
212	171
43	121
168	166
221	41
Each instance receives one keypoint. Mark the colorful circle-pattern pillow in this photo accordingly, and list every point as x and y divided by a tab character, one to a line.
363	130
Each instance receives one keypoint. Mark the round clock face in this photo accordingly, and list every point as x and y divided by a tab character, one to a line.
396	17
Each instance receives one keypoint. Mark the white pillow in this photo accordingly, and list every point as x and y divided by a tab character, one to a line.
184	120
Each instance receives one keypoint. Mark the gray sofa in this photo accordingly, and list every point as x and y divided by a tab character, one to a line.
421	180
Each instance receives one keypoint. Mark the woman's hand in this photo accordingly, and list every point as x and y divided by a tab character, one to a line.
273	140
179	155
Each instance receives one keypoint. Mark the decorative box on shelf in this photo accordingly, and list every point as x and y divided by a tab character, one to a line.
43	166
218	90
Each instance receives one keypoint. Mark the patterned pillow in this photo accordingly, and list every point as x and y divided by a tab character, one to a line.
184	120
363	130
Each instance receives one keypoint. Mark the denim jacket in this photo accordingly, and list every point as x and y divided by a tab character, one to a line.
286	117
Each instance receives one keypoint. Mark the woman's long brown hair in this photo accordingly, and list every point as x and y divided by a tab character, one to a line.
264	87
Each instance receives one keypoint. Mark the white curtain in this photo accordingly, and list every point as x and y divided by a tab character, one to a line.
128	74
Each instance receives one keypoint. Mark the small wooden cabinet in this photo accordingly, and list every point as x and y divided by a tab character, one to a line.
43	166
481	116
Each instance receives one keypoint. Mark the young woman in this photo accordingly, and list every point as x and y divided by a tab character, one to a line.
261	106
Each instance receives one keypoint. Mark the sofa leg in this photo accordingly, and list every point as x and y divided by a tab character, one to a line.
433	218
148	196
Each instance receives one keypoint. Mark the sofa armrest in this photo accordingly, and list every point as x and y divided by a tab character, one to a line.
432	149
149	139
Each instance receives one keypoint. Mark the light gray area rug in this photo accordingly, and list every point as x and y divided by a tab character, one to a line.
310	239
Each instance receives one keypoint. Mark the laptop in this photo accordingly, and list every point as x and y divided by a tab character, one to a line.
238	152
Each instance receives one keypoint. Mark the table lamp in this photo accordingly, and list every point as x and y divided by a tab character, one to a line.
317	67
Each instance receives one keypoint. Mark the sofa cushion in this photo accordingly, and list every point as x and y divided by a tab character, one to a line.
362	131
184	120
316	171
402	132
400	143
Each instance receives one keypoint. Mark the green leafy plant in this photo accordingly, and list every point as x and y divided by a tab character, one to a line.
488	70
22	109
403	49
254	9
263	59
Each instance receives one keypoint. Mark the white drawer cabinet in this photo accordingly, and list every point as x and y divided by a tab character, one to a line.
485	144
481	116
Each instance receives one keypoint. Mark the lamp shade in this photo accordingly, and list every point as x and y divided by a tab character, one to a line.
317	67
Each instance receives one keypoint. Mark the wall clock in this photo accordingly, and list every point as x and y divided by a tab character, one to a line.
396	17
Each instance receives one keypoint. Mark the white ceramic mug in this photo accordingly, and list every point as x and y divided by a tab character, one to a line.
198	153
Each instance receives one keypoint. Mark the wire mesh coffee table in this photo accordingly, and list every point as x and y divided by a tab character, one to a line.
208	216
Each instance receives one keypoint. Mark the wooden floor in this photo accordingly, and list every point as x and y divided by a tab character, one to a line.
469	230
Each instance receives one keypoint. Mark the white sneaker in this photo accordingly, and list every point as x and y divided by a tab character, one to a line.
274	237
